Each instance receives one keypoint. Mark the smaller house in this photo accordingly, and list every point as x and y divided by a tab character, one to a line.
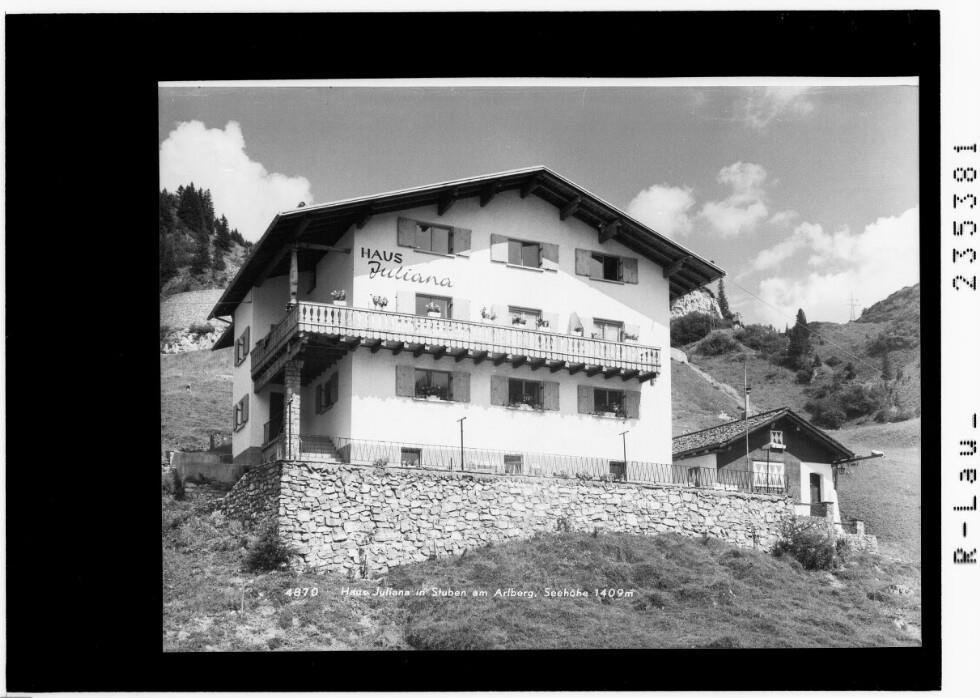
783	453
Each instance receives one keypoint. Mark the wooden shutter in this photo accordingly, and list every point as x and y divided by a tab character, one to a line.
630	275
632	330
632	404
574	323
405	302
405	381
461	309
246	339
406	232
461	386
461	241
552	320
586	399
587	327
234	416
498	390
549	256
502	313
583	262
245	409
498	248
549	394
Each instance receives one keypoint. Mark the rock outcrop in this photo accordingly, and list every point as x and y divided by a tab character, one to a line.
700	301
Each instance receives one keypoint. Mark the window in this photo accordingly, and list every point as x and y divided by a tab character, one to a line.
241	346
513	465
241	413
604	266
525	317
524	254
608	330
617	469
327	393
611	401
433	238
412	457
524	392
767	477
433	384
425	304
776	439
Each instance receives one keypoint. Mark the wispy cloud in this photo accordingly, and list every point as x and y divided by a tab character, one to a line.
242	189
763	105
664	208
871	264
745	207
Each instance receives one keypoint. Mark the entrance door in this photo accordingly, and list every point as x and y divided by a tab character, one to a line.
275	416
815	495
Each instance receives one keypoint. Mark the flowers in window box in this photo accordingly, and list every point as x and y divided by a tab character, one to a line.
597	335
379	301
630	336
518	320
432	309
339	296
541	322
487	314
432	392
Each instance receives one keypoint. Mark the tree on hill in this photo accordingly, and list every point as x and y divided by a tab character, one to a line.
202	256
799	340
222	235
887	372
726	312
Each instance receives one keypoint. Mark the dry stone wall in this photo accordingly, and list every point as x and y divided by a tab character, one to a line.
362	520
255	497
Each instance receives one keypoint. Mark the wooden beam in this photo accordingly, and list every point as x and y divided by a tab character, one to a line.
283	251
365	216
592	370
535	364
498	358
438	352
322	248
518	361
374	345
396	347
646	376
530	184
607	231
459	354
675	267
479	356
487	193
571	207
556	366
447	200
610	372
417	349
575	368
350	342
632	373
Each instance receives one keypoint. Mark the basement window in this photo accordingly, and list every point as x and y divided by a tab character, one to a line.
412	457
514	465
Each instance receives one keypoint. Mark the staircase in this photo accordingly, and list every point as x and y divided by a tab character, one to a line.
318	449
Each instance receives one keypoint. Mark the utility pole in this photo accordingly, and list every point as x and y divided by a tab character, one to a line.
462	466
745	387
853	304
623	434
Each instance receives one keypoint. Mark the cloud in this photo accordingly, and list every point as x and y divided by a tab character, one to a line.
761	106
664	208
242	189
783	217
745	207
872	264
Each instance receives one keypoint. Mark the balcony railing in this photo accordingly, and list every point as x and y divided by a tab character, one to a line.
454	335
497	462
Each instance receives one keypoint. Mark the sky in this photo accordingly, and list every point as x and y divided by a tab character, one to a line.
805	195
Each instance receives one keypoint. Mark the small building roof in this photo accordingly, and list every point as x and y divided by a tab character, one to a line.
324	224
720	437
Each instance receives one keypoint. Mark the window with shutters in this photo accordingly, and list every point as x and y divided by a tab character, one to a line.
524	317
434	385
522	392
610	402
523	253
241	413
241	346
514	464
608	330
527	254
606	267
327	393
433	237
425	304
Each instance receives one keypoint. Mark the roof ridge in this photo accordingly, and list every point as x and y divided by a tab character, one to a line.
725	424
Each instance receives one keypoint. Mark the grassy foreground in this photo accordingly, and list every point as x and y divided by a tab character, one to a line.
677	592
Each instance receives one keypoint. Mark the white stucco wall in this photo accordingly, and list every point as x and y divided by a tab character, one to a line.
825	471
706	460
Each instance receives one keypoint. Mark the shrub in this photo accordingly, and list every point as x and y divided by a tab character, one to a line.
717	343
849	371
832	361
689	328
200	328
808	543
164	331
172	484
804	375
763	339
268	552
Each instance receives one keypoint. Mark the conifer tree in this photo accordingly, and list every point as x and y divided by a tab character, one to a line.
726	312
887	372
202	255
799	339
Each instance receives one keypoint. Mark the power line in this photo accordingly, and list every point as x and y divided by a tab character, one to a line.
853	304
807	325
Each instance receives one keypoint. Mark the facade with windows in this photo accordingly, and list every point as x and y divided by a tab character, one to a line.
772	452
517	304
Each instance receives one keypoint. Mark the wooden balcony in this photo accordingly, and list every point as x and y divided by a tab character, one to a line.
324	332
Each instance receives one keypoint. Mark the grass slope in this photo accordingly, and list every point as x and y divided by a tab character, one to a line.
697	404
686	593
187	417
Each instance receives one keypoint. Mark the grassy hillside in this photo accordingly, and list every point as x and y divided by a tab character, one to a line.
683	593
697	403
188	416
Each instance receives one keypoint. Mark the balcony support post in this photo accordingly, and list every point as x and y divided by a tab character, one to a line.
291	409
293	277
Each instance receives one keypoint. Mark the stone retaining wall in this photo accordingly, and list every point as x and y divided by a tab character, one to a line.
363	520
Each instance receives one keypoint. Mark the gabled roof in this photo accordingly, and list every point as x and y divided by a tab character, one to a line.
324	224
720	437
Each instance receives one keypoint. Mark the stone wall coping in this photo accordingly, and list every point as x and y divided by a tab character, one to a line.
476	475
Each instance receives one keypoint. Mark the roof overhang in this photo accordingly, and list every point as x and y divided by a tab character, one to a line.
323	224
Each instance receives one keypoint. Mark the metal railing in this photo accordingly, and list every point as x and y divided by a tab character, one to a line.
469	335
497	462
